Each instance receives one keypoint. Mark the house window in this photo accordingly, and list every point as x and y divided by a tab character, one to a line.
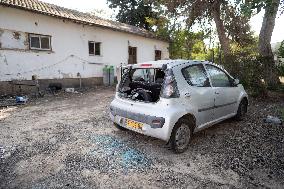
94	48
158	55
40	42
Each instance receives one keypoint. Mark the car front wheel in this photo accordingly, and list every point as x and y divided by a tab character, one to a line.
181	136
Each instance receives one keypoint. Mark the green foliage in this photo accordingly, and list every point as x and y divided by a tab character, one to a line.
281	50
237	26
133	12
251	7
250	73
187	45
281	70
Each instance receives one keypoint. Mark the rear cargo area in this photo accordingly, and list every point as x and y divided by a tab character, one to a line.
142	84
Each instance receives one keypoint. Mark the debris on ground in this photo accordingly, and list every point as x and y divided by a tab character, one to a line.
2	152
119	153
21	99
273	120
69	90
67	140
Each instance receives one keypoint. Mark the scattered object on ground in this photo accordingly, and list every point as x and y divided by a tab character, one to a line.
70	90
273	120
118	153
62	142
55	86
2	151
21	99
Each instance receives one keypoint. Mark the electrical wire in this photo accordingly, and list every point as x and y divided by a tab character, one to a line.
57	63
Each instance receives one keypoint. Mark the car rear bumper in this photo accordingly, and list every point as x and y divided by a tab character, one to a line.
153	121
149	114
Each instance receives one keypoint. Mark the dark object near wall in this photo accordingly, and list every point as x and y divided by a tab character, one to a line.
55	86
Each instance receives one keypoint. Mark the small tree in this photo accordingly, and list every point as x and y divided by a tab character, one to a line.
133	12
281	50
264	47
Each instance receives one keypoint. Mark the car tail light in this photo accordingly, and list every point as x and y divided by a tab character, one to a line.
170	89
156	122
146	65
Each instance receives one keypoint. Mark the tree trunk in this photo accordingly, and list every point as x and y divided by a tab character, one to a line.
224	40
270	73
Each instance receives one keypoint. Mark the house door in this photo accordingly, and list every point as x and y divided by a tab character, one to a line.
158	55
132	55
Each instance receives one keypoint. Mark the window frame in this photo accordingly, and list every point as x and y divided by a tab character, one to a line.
228	76
204	71
94	43
100	48
39	36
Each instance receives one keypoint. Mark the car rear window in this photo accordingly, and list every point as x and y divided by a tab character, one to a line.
147	75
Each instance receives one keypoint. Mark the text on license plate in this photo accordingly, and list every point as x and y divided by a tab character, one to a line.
134	124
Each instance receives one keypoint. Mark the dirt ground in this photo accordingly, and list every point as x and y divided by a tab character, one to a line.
68	141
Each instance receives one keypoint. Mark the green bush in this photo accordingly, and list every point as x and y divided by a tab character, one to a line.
249	70
281	70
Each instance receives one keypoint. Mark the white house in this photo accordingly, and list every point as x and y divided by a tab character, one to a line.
56	44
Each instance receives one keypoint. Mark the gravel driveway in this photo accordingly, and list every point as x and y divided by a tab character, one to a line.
68	141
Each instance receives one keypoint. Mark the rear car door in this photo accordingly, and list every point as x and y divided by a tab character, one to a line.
198	93
225	93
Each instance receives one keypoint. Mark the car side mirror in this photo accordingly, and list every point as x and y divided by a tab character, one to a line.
236	82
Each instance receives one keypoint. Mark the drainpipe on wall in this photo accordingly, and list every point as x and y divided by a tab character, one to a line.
80	79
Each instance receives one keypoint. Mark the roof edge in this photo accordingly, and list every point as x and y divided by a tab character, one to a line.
151	34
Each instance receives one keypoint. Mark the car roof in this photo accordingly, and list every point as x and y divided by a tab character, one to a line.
169	63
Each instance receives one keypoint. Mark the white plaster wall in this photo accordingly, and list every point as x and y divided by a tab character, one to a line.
69	48
13	39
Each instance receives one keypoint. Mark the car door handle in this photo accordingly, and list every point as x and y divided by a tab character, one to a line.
217	92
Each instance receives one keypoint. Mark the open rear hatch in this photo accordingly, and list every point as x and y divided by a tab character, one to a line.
147	83
142	82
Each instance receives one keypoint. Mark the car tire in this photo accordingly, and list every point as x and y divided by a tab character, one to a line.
181	136
242	110
119	127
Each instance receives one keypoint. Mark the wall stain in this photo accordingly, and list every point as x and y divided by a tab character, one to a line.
26	42
1	32
4	59
16	35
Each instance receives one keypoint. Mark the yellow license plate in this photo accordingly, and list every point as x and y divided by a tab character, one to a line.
133	124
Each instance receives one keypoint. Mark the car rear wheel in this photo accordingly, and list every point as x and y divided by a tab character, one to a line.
181	136
242	110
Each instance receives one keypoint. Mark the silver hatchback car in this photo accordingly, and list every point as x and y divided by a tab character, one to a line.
172	99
